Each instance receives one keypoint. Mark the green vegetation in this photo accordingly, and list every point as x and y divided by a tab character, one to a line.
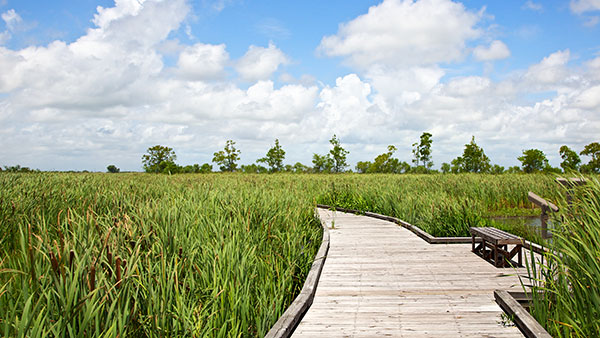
145	255
570	159
444	204
422	152
533	160
384	163
473	160
159	159
274	158
225	254
592	150
228	157
18	169
566	290
334	161
112	169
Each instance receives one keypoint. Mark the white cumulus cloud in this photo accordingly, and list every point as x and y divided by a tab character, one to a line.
551	69
203	61
589	98
122	9
259	63
534	6
111	65
12	19
497	50
581	6
405	32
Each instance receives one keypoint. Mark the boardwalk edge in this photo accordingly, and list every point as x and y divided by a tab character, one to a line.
524	321
285	325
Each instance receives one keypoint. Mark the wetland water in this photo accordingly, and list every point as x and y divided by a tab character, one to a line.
533	223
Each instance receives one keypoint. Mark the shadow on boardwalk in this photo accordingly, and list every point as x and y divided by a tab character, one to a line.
380	279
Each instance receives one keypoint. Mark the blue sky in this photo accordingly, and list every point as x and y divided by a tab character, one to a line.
92	83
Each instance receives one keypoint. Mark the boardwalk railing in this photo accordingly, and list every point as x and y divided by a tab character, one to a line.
547	206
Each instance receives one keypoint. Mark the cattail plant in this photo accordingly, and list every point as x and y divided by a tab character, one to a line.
566	285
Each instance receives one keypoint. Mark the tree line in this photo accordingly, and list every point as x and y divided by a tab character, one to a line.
18	169
161	159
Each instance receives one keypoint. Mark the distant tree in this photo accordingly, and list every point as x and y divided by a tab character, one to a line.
158	159
254	169
419	170
513	170
552	170
533	160
445	168
18	169
570	159
189	169
473	159
227	158
171	168
385	163
497	169
338	155
112	169
322	163
12	169
205	168
274	158
288	168
422	151
456	165
300	168
362	167
592	150
404	167
194	169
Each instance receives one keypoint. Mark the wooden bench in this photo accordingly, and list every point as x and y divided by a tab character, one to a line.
497	242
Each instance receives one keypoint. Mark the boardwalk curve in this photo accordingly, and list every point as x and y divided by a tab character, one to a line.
380	279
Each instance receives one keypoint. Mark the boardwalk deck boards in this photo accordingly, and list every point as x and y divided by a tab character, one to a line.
380	279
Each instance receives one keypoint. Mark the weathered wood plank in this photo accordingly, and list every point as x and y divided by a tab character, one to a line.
522	318
540	202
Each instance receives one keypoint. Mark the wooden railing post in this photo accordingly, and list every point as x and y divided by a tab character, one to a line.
545	206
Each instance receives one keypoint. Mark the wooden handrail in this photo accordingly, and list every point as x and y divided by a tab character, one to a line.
571	182
542	203
545	206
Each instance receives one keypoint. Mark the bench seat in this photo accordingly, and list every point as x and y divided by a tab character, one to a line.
494	246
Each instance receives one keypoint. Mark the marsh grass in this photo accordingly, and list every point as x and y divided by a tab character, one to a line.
565	286
151	256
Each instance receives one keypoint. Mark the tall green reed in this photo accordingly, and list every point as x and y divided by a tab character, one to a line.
152	256
565	285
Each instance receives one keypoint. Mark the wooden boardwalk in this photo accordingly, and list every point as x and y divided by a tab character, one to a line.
380	279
